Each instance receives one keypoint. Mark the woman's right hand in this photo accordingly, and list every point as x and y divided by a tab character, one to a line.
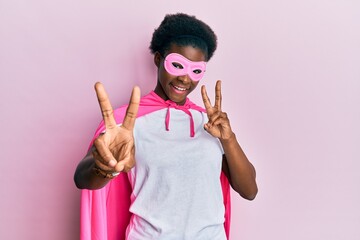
114	150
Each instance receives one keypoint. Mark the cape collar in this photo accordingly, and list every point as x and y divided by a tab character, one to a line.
154	101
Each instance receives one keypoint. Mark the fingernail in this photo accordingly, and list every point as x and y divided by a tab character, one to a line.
121	167
112	163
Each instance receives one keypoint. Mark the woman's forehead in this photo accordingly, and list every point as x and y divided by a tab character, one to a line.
176	57
189	52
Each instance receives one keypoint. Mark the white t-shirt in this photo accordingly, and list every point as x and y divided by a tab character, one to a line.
177	193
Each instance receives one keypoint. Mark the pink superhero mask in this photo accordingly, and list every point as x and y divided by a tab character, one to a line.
178	65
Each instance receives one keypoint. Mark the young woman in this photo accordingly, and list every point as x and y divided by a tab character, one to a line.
160	167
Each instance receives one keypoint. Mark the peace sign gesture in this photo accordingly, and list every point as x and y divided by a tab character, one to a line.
218	124
114	150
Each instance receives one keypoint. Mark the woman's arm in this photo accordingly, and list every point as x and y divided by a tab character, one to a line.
236	166
238	169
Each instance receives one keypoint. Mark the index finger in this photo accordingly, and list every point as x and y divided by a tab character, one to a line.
206	99
218	97
132	109
105	106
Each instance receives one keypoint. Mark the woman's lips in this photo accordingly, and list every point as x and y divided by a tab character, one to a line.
179	89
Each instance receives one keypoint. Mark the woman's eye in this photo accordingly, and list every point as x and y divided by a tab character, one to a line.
197	71
177	65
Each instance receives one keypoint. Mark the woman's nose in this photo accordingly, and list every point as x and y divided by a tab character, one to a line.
184	78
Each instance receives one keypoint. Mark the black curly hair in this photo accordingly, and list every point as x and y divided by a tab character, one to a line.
183	30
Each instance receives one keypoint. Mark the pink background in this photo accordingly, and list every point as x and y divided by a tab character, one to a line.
291	86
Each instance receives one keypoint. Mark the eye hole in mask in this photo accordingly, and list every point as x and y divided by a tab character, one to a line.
177	65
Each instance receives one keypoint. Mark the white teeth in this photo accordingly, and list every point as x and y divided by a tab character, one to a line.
179	88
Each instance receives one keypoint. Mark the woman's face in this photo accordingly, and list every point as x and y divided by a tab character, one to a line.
176	88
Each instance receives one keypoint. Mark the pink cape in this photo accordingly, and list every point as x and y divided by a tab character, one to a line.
105	212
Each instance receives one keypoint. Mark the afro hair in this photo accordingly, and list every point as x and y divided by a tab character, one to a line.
183	30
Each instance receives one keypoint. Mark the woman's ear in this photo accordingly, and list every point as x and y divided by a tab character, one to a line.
157	59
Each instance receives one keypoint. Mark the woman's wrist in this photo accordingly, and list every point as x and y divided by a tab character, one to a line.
105	174
229	139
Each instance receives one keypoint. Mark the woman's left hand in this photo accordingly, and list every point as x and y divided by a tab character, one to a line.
218	124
